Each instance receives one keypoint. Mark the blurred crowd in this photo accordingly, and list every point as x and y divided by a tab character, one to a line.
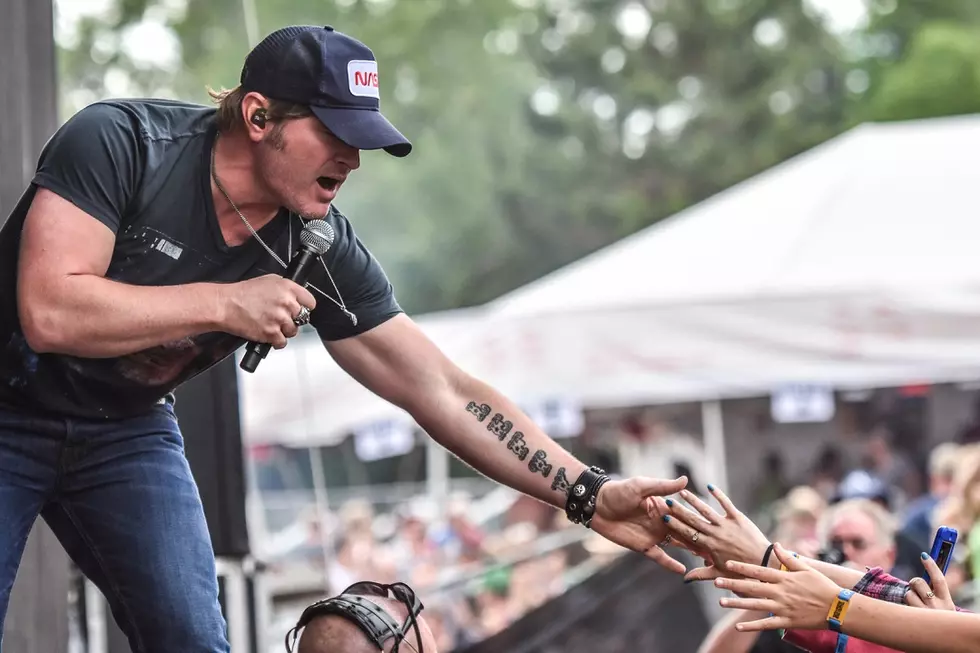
480	570
876	512
879	512
475	580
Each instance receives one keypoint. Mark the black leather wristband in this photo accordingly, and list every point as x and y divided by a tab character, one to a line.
581	502
765	558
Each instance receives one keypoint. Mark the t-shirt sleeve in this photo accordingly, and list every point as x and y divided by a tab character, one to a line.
362	284
93	162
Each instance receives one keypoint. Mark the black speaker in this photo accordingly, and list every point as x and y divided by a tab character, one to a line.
207	409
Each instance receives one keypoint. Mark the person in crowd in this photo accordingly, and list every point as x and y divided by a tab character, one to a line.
961	509
828	470
366	617
919	522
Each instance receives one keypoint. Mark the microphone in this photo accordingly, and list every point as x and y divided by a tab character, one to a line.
315	239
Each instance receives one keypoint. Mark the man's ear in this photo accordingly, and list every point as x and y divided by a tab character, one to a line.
255	114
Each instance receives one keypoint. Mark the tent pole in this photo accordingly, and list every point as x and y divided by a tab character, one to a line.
322	503
713	428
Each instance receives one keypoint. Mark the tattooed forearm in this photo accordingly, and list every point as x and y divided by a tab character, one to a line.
501	427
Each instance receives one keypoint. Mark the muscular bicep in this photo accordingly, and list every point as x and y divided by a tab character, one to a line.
59	241
398	362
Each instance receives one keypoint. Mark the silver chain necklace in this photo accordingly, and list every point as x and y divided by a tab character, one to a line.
340	298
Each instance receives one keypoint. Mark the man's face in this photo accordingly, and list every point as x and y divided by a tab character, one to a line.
856	535
303	165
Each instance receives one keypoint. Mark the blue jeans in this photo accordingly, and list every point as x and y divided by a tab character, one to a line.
120	497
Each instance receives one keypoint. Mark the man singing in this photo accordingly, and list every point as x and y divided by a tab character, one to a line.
150	245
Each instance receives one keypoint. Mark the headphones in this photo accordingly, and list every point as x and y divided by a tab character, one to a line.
259	118
352	604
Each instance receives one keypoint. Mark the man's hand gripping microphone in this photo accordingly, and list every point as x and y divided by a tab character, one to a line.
315	239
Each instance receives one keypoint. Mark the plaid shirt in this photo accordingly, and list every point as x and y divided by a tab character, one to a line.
880	585
876	584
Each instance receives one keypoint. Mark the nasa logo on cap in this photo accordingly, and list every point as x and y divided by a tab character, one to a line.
362	77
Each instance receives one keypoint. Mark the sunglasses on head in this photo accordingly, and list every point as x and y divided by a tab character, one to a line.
354	604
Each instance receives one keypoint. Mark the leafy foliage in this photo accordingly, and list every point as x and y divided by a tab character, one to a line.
545	129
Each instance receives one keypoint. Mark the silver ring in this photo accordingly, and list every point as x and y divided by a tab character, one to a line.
303	317
930	595
666	541
694	538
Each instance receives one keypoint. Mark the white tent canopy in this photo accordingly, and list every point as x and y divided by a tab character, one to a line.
855	264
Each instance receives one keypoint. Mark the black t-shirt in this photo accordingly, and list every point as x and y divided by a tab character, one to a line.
142	168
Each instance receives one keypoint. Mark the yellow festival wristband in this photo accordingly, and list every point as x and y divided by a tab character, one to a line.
838	610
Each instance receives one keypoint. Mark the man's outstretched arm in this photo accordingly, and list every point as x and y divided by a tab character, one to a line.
487	431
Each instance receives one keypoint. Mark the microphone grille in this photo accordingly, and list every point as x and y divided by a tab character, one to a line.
318	235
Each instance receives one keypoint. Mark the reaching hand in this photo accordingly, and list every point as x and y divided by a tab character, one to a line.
936	597
797	598
715	536
629	513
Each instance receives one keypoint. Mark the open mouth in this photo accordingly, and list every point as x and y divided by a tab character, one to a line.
328	183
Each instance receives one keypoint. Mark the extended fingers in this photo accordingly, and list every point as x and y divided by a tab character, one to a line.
706	511
723	500
769	623
764	574
759	605
747	588
686	515
689	535
661	557
708	572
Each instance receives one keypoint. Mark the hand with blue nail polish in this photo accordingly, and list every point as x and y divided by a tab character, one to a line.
718	537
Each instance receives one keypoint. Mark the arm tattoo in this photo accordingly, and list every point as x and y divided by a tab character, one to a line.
539	463
561	484
501	427
517	445
480	411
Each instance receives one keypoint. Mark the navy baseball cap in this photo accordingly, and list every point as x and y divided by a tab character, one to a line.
332	73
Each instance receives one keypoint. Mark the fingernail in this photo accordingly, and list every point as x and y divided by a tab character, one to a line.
666	518
670	503
925	556
711	488
720	582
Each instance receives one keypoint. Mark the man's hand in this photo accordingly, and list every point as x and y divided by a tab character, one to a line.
629	513
262	309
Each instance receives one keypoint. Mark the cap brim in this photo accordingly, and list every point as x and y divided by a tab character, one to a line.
364	129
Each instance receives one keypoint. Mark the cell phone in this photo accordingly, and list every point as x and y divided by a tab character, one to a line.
942	547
